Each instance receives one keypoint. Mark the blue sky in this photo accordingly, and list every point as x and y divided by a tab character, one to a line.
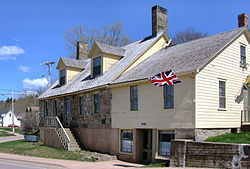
32	32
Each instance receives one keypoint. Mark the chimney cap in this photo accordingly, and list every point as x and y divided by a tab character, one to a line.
159	8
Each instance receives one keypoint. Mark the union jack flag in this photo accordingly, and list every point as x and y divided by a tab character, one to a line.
164	78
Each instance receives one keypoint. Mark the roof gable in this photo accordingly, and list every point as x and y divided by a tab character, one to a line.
65	63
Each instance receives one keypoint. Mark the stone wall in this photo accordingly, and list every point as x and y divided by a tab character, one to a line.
212	155
50	137
88	119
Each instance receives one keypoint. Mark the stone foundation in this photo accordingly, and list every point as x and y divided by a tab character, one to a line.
203	134
50	137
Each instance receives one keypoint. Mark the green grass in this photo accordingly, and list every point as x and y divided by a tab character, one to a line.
241	138
21	147
153	165
17	130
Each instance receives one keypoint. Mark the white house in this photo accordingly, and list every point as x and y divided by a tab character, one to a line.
7	120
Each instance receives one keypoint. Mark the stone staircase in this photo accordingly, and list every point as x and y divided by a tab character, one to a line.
72	145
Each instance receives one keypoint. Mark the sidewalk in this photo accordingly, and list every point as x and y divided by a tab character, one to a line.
115	164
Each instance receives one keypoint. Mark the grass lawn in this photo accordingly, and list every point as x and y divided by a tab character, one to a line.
17	130
242	138
37	149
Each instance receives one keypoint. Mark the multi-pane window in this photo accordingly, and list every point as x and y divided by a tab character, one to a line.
242	55
46	109
55	108
133	98
222	94
62	75
168	96
96	66
126	141
164	142
81	105
96	103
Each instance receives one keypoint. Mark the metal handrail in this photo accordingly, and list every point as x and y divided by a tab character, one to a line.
55	122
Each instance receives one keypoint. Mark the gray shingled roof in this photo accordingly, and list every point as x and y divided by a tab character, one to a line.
184	57
189	56
83	81
111	49
75	63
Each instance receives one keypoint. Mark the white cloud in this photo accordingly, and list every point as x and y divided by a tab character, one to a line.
7	58
11	50
24	69
34	84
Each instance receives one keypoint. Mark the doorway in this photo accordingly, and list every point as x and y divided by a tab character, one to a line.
67	114
147	146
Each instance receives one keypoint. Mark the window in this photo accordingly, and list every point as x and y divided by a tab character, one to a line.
133	98
55	108
46	109
168	96
96	66
126	141
81	105
242	56
62	77
96	103
222	94
164	142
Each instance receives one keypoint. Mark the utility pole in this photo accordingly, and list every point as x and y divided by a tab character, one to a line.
49	70
12	112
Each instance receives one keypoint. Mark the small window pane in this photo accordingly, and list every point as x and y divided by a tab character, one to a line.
62	77
126	141
222	94
97	66
81	105
242	55
133	98
169	97
96	103
164	142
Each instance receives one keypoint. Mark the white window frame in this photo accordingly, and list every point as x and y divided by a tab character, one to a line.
222	108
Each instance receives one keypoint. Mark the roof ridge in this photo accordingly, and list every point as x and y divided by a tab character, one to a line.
221	33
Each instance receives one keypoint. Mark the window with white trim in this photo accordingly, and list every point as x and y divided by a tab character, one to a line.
133	98
222	94
168	96
126	141
242	56
96	66
62	78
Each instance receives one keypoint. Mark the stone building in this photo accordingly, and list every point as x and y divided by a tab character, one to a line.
103	101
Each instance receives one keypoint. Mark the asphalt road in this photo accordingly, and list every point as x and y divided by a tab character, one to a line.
13	164
10	138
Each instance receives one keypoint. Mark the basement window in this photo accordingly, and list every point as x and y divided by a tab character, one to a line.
126	141
164	142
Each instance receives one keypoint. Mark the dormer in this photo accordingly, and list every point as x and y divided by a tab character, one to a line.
103	57
69	68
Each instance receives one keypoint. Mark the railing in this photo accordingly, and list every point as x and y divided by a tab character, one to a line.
245	117
55	122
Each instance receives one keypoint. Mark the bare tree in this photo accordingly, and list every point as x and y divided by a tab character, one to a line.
110	34
187	35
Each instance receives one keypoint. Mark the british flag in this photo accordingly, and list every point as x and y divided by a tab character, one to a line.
164	78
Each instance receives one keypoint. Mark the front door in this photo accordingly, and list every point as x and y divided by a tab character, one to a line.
147	146
67	115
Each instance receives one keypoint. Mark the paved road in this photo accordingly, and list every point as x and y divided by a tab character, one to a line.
13	164
10	138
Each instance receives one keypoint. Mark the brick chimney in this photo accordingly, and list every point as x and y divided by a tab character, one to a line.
159	20
81	50
243	20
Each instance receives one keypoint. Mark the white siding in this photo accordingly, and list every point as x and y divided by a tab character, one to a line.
151	107
225	66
